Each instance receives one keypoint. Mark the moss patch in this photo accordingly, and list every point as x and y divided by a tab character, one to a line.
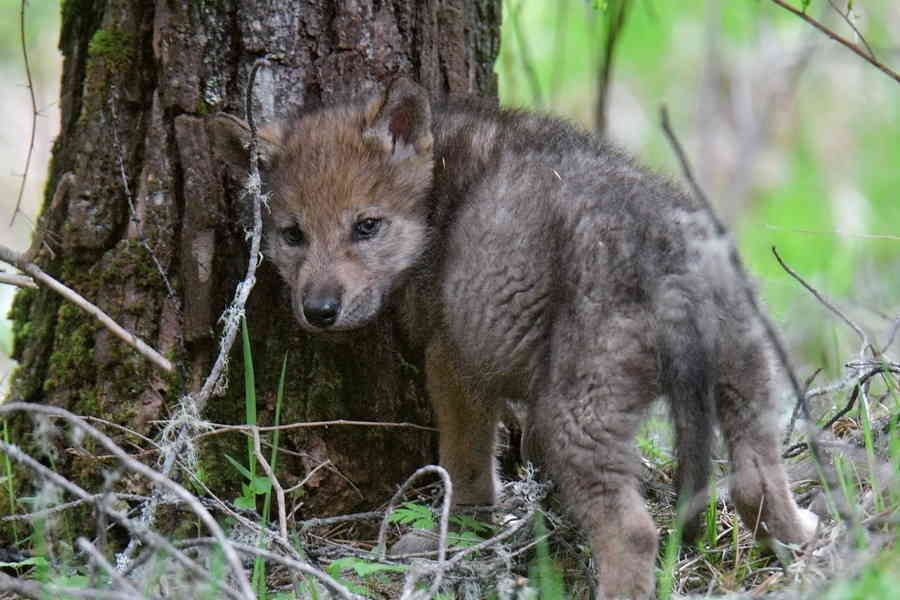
114	47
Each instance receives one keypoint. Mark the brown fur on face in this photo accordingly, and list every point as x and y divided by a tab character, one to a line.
336	168
540	264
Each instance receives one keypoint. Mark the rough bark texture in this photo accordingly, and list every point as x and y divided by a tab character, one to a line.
152	231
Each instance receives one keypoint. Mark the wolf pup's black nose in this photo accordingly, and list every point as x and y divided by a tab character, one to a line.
321	311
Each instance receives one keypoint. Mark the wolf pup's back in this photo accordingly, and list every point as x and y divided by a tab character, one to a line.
535	262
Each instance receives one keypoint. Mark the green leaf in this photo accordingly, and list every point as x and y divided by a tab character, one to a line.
261	485
248	502
804	4
363	567
241	468
410	513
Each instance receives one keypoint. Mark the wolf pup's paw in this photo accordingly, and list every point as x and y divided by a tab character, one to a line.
809	524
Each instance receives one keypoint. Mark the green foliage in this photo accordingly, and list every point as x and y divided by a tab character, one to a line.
413	514
365	569
543	573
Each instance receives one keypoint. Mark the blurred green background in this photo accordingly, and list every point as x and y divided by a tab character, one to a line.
794	138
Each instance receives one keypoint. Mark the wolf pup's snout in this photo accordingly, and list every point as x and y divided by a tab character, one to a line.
321	307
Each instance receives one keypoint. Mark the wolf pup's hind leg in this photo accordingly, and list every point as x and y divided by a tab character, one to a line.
759	486
586	420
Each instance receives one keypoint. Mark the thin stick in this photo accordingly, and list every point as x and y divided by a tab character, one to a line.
823	300
39	591
290	563
34	113
224	427
17	280
279	491
841	40
14	258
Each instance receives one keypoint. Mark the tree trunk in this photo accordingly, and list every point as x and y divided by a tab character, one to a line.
149	229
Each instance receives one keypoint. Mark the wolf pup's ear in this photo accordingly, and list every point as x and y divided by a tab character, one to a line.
231	141
399	121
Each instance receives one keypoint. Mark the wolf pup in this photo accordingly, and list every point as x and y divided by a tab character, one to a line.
533	262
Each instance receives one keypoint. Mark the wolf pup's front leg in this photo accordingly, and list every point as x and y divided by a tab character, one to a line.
468	425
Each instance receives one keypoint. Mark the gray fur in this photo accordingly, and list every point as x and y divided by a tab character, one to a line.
535	262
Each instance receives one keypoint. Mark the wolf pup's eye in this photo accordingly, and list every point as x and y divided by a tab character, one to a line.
366	228
292	236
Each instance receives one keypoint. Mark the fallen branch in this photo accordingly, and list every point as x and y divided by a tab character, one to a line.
15	259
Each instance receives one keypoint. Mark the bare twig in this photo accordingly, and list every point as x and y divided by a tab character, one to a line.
845	15
235	312
223	427
699	194
841	40
14	258
34	112
17	280
290	563
44	513
825	302
279	491
39	591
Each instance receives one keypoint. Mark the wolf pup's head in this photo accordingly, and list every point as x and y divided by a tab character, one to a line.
348	186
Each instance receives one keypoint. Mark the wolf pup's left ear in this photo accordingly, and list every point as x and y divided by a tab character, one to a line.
230	138
399	121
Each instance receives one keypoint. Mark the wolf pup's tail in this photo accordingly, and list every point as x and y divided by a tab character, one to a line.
686	366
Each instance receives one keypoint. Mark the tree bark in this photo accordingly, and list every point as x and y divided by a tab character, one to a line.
151	230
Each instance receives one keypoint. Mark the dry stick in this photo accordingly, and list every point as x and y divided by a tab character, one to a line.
17	280
279	491
297	565
91	499
825	302
194	404
34	113
233	314
892	335
841	40
152	539
41	591
224	427
14	258
160	480
445	519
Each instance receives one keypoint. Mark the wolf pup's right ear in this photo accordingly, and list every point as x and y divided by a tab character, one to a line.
399	121
231	142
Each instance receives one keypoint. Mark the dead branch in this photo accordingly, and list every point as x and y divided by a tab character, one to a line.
15	259
296	565
870	58
34	112
39	591
17	280
826	304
